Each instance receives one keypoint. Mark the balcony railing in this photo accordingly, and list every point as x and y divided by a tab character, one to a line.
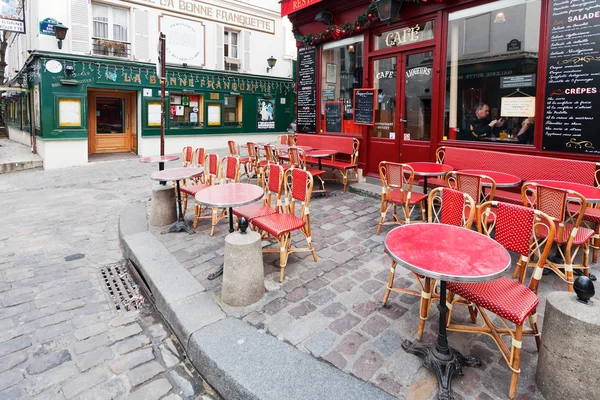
111	48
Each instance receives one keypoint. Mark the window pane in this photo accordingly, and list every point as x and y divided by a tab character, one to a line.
110	115
101	30
417	93
120	24
232	110
100	13
492	62
384	82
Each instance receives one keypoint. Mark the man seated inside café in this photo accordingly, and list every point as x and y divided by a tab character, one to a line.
481	126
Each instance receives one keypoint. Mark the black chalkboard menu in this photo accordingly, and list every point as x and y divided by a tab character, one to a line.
334	115
572	106
307	90
364	106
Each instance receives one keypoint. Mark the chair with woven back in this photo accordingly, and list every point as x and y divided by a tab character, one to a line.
297	158
186	156
516	228
258	164
566	208
211	176
298	185
273	188
235	151
397	191
480	187
229	172
445	206
198	182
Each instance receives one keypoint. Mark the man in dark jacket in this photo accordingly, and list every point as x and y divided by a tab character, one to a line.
481	126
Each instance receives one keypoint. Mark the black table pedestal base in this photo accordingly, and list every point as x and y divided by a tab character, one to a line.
180	226
443	365
219	270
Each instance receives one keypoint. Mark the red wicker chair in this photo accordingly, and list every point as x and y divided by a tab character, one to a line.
234	150
297	158
273	187
210	177
298	189
473	185
186	156
229	172
199	183
446	206
515	228
566	208
397	182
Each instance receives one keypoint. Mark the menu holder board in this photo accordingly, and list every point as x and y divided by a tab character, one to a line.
364	106
334	115
307	90
572	104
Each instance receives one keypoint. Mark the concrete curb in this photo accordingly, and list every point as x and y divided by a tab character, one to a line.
20	166
237	360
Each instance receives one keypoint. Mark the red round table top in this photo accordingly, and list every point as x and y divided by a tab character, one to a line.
502	179
229	195
285	147
321	153
439	251
591	193
430	168
176	174
156	159
260	144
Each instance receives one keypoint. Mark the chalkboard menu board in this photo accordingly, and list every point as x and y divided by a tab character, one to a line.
333	116
307	90
572	106
364	106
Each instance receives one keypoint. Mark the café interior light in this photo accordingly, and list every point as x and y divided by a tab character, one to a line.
500	18
351	48
388	10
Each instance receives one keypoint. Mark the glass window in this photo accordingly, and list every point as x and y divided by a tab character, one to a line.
233	111
110	22
492	61
385	107
110	115
403	36
417	95
342	72
187	110
232	61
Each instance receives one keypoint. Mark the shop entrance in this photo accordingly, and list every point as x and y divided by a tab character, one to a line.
111	122
402	130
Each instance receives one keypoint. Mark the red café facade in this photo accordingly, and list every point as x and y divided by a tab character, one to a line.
531	62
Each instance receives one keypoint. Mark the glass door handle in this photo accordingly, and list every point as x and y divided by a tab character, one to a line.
403	120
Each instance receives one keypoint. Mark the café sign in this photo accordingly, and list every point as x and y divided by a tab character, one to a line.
406	35
212	12
291	6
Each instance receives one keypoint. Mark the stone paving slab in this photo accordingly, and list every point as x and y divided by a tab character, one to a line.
15	156
332	309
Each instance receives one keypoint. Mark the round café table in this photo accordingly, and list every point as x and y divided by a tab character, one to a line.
285	147
427	169
591	193
158	159
320	154
228	195
502	179
177	174
438	251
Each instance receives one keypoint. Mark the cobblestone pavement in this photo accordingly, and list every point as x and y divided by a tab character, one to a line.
60	335
332	309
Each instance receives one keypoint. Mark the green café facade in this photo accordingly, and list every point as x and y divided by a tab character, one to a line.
77	106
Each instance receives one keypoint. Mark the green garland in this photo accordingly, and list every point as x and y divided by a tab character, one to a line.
348	28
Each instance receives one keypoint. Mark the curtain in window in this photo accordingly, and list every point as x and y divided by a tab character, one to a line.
100	19
120	19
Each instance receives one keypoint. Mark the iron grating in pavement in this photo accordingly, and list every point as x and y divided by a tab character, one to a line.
123	290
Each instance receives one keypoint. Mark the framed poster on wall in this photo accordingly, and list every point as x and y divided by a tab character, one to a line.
69	112
214	114
154	111
331	73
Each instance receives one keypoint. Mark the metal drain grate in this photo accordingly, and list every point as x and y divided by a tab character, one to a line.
125	293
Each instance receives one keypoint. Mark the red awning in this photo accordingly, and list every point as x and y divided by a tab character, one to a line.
291	6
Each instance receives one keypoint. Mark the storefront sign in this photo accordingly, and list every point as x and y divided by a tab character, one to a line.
291	6
517	107
418	71
513	45
307	90
185	40
517	81
364	106
266	114
47	26
404	36
211	12
572	102
12	17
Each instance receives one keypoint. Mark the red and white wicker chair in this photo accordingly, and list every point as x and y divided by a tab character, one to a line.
567	209
396	190
515	228
229	171
297	158
298	189
186	156
274	187
472	185
235	151
198	182
446	206
210	177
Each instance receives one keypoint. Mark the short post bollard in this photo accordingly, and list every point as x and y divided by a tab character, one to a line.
163	209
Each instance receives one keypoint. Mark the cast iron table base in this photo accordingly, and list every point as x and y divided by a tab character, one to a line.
180	225
444	361
219	270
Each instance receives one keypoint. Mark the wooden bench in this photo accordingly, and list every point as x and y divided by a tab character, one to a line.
343	145
527	167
